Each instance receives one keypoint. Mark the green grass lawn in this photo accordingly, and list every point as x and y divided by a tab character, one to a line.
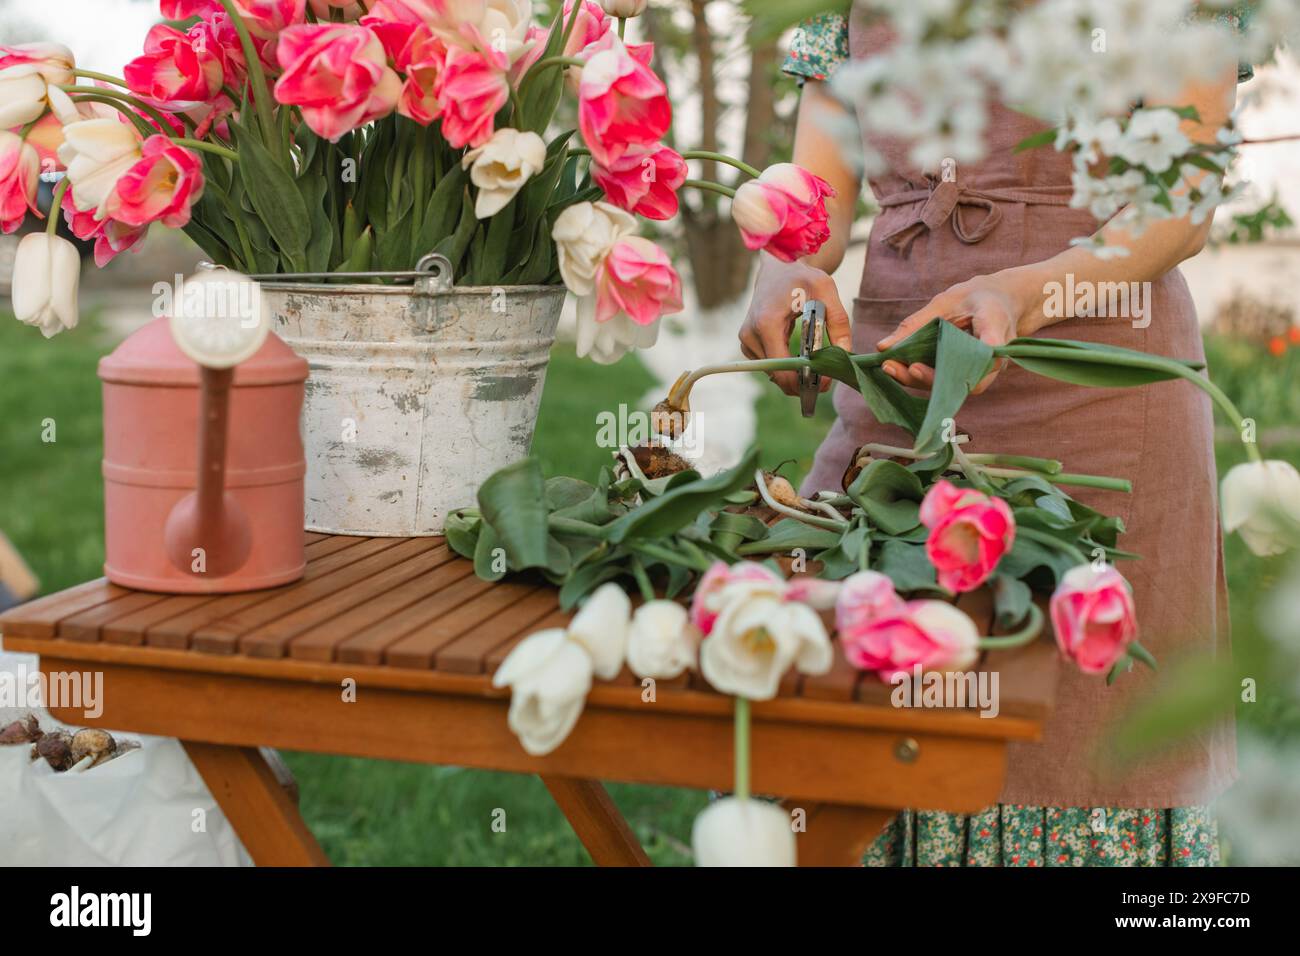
372	812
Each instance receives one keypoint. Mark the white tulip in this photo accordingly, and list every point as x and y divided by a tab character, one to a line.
735	832
607	342
584	234
47	270
624	8
661	642
22	95
757	637
54	61
548	676
501	166
1259	499
96	153
601	629
505	26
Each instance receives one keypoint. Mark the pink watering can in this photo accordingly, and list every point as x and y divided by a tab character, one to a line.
203	461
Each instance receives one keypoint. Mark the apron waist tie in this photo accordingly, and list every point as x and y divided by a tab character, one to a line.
947	200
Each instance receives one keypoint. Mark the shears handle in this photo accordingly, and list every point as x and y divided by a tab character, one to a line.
812	336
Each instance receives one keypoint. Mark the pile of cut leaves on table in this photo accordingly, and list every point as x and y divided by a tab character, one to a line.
652	522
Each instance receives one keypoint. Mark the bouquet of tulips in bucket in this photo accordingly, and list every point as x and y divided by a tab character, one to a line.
350	137
894	558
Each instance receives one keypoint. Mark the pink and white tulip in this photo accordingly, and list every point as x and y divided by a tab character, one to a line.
783	211
622	103
969	533
638	280
53	62
931	635
337	74
862	599
624	8
184	9
644	180
27	72
20	171
706	602
471	87
161	186
111	237
176	69
267	18
97	153
1094	617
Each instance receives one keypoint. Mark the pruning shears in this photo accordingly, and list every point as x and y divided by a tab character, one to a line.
812	335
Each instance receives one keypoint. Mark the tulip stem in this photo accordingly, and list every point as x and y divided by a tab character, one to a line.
744	167
56	203
714	188
1023	636
163	126
622	27
742	748
642	579
1013	350
207	147
257	77
104	77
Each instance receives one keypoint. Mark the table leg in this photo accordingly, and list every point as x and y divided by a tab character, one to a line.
597	821
838	834
255	803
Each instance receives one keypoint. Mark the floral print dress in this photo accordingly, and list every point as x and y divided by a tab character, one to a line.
1018	835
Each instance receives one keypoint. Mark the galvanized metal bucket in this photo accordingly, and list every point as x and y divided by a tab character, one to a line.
416	393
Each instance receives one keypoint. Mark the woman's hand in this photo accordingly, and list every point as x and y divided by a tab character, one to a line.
780	291
989	307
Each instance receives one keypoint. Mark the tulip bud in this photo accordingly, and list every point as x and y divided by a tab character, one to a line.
736	832
624	8
46	273
601	628
1258	497
661	642
501	166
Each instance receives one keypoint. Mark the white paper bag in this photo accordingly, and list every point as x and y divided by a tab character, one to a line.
146	807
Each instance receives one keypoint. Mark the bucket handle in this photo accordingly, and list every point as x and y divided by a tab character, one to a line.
432	273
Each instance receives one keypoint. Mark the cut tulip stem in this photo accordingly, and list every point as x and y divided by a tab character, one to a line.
742	748
1033	627
102	77
261	93
207	147
725	191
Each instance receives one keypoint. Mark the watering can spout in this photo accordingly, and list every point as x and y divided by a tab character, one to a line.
208	532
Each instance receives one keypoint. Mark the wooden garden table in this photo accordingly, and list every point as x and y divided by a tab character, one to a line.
420	635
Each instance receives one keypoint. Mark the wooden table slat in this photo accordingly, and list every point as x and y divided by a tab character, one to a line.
85	625
335	553
271	638
466	654
417	648
492	660
40	618
222	636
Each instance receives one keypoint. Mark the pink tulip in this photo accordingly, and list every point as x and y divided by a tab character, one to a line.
20	170
184	9
111	236
471	87
592	25
415	50
176	69
1094	617
783	211
644	180
704	609
932	635
161	187
266	18
637	280
863	598
338	75
621	102
969	534
324	9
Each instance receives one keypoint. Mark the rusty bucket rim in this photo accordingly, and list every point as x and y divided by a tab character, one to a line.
404	288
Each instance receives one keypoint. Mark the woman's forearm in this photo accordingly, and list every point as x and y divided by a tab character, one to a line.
817	150
1160	247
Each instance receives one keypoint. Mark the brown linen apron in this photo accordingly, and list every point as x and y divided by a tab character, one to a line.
1010	209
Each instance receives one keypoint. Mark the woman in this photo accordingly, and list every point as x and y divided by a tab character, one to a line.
983	249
